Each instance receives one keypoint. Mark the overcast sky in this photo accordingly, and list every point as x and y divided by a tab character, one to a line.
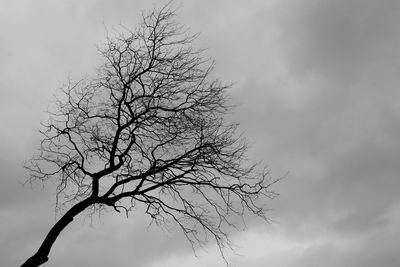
317	83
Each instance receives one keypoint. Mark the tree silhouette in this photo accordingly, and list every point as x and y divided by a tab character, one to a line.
149	129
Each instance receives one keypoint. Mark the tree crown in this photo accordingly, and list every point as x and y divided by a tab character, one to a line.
150	128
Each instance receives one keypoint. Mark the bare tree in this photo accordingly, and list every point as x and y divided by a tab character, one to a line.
149	129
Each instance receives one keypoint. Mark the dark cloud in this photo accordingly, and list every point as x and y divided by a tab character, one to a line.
330	117
340	38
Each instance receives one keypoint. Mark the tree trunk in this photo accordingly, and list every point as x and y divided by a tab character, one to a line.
41	256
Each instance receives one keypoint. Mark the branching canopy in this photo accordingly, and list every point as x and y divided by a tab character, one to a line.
150	128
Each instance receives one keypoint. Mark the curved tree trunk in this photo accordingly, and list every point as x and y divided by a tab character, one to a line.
41	256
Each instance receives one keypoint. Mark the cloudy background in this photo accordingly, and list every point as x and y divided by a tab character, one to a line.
317	87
